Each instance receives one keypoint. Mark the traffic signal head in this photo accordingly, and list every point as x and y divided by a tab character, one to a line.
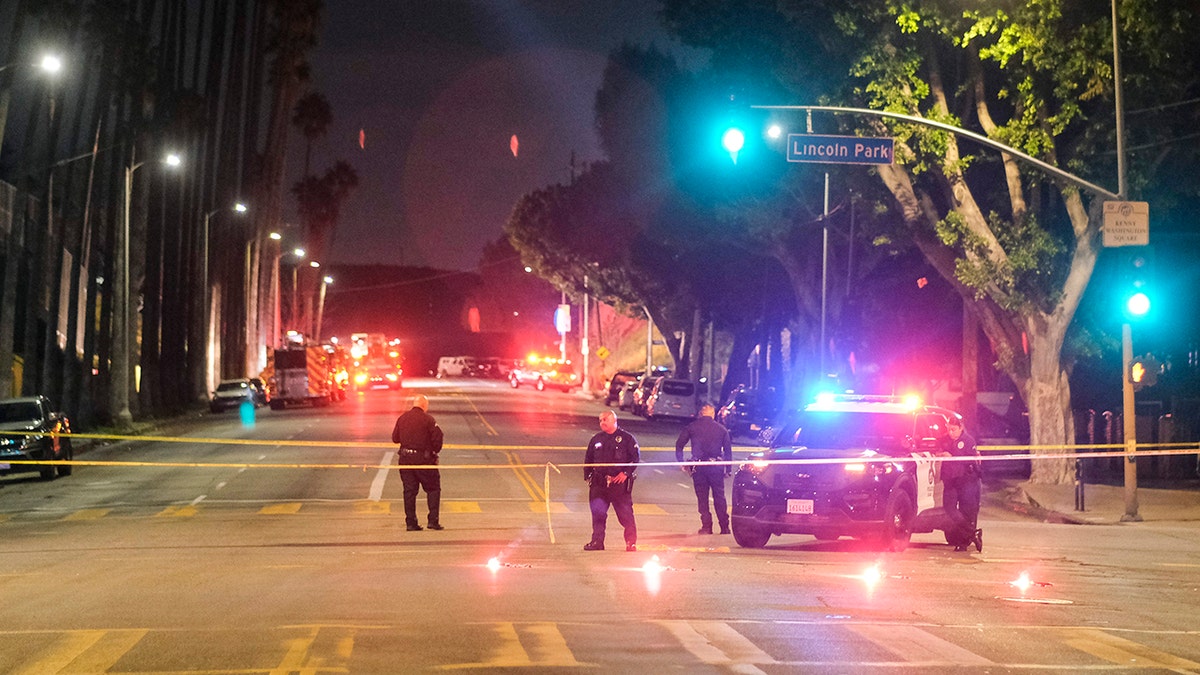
1143	372
1135	286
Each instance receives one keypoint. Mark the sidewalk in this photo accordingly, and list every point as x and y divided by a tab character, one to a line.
1103	504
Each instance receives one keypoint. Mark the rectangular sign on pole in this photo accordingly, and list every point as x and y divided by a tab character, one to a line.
1126	224
839	149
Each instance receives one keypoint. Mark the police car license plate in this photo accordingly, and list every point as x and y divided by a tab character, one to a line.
803	506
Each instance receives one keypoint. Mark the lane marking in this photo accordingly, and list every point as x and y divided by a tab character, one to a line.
59	654
916	645
461	507
491	431
555	507
281	509
648	510
376	491
373	507
547	648
87	514
1119	650
717	643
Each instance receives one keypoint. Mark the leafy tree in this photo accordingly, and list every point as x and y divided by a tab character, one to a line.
1036	75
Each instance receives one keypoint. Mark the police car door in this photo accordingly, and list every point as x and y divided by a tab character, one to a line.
925	435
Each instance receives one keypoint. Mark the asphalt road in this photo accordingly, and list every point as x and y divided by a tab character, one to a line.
279	547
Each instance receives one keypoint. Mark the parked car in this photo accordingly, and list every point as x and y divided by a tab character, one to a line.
874	474
642	394
491	368
672	398
454	366
749	411
616	384
233	393
34	415
625	400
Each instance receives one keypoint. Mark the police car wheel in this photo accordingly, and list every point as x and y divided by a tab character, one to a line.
897	521
750	536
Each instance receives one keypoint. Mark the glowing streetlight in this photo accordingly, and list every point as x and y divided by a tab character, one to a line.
121	356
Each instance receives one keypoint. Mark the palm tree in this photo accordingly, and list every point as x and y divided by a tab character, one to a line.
313	116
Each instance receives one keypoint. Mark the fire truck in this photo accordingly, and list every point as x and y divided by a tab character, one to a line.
306	374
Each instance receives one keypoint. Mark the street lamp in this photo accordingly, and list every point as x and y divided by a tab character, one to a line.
325	281
122	325
299	253
206	311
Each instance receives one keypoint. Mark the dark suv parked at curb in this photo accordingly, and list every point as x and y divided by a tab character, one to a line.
860	466
35	415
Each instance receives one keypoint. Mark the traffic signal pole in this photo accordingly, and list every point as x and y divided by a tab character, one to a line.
1129	425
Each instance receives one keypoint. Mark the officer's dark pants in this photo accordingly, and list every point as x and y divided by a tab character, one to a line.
704	479
429	480
620	496
960	499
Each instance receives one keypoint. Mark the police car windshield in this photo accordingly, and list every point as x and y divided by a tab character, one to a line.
847	430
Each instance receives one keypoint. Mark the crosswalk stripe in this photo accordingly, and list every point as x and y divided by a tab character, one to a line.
59	654
1119	650
281	509
717	643
548	648
104	653
916	645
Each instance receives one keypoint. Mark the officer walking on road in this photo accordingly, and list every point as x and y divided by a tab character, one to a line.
710	443
420	440
617	453
962	487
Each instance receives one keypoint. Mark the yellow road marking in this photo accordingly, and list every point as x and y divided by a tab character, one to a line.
461	507
281	509
59	654
547	648
648	510
527	480
177	512
491	431
87	514
367	506
1119	650
555	507
297	654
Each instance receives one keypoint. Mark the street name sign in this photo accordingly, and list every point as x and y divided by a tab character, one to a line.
1126	224
839	149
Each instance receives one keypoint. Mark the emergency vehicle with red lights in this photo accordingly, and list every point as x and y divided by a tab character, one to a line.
847	465
545	373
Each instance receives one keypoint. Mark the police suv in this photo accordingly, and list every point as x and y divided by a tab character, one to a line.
847	465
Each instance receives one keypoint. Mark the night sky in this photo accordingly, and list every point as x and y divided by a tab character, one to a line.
438	88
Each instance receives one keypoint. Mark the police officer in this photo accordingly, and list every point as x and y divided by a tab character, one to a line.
710	443
420	440
611	484
962	487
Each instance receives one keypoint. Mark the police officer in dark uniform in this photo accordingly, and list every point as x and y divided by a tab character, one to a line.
962	487
611	484
710	443
420	440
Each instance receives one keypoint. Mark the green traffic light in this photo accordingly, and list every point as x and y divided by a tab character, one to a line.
733	140
1138	305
